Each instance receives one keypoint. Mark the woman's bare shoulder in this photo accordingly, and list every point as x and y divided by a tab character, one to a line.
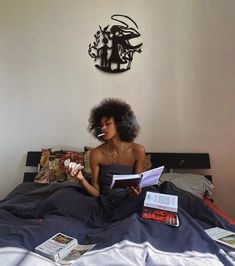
138	148
98	151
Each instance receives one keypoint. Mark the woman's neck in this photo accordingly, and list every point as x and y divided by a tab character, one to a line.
115	144
115	148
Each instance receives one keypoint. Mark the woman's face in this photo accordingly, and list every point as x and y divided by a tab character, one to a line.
108	127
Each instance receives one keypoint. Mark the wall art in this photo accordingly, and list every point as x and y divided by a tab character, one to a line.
112	49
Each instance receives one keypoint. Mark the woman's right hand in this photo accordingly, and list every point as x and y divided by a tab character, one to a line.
73	169
78	175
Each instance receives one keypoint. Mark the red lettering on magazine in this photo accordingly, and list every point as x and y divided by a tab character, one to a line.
161	216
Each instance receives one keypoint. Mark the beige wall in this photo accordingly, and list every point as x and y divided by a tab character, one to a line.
181	86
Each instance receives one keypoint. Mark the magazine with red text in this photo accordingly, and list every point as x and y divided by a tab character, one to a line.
161	208
161	216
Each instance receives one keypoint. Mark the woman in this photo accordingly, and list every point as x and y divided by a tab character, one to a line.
118	154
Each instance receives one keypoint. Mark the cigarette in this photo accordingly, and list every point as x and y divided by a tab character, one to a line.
102	134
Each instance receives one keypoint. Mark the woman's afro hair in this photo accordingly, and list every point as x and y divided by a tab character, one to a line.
121	112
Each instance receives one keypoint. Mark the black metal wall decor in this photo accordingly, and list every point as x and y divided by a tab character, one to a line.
111	48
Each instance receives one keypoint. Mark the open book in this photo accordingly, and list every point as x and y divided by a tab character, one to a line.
147	178
75	253
223	236
161	208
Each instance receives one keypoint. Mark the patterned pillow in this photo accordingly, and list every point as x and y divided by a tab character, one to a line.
87	168
147	163
52	165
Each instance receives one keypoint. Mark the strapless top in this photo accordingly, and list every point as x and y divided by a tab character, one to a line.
107	172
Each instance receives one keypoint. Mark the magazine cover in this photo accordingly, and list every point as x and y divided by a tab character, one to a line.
161	216
161	201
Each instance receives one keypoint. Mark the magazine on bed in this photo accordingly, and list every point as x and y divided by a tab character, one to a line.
145	179
57	247
62	249
161	208
223	236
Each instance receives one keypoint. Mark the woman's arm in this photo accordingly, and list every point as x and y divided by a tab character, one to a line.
139	152
140	159
95	170
92	188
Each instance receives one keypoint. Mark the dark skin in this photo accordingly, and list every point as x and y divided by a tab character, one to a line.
114	150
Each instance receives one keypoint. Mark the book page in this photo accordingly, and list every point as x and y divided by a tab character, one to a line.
161	201
75	253
151	177
147	178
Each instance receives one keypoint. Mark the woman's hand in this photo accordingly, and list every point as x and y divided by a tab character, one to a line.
134	191
74	170
78	175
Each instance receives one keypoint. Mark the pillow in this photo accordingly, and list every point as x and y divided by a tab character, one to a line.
147	163
196	184
87	154
52	165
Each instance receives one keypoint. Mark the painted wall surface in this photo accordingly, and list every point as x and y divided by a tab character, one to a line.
181	86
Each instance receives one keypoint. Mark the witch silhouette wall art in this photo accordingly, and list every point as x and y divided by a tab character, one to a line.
111	49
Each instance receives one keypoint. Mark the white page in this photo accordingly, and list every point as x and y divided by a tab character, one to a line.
151	177
223	236
125	177
75	253
161	201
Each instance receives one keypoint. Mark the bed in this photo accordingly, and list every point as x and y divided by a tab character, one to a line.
33	212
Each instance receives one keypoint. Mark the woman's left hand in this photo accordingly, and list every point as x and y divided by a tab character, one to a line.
134	191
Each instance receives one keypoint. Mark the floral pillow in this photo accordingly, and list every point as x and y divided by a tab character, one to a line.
87	168
52	165
147	163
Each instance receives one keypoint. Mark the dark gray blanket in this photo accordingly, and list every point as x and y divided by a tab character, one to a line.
32	213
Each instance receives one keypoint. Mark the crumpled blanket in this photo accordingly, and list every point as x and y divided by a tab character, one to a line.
32	213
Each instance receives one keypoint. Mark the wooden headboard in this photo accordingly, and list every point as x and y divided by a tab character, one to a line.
169	160
32	160
180	160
